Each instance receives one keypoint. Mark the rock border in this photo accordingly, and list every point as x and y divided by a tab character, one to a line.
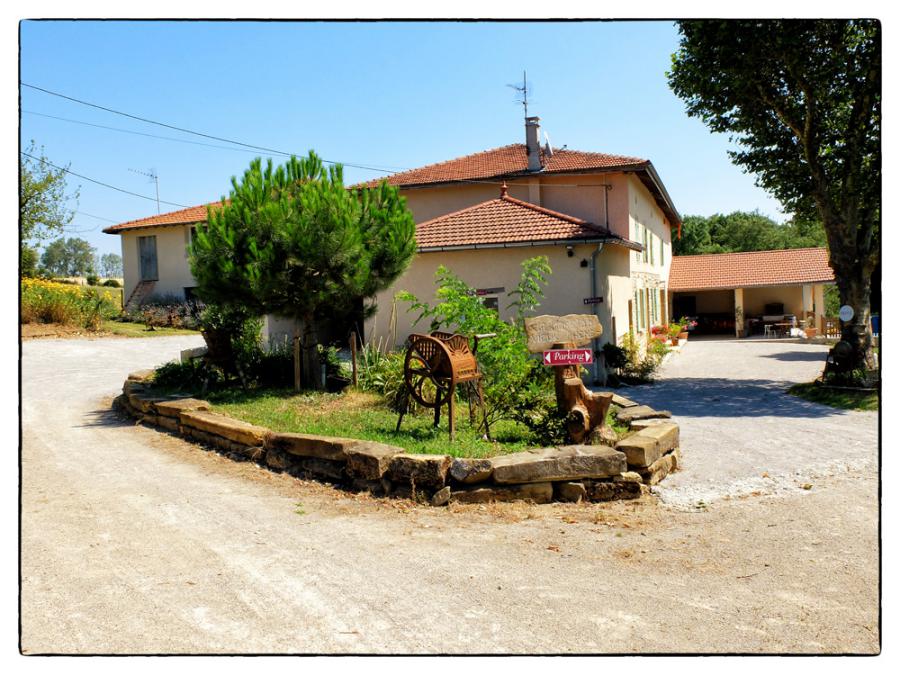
573	473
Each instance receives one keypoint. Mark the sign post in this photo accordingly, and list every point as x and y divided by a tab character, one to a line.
558	339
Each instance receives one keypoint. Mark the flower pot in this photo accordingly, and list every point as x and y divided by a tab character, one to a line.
683	335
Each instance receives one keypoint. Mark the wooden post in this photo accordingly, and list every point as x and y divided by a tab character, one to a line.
297	370
353	356
451	411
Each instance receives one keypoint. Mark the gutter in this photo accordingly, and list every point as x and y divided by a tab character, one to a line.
596	341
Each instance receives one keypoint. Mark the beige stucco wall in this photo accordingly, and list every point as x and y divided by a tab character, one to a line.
755	299
567	286
171	253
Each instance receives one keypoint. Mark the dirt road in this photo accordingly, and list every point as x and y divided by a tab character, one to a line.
137	542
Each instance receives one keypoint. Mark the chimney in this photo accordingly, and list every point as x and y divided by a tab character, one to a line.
533	142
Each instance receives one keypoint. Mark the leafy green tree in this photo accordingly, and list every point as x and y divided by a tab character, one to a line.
71	257
803	100
28	259
294	241
745	231
42	197
111	265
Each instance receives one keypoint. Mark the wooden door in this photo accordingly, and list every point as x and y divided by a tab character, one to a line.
147	252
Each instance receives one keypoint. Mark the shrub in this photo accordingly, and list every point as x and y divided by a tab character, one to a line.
512	378
92	280
638	367
51	302
381	372
112	283
232	336
195	375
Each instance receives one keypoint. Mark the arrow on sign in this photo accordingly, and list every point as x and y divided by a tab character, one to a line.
568	357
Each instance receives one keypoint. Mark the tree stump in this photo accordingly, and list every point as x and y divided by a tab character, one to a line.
584	409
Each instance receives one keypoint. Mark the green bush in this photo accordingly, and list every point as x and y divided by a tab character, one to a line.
381	372
45	301
232	337
640	368
93	280
512	377
112	283
193	376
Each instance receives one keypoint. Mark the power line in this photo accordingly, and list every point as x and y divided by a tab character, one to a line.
106	185
190	131
140	133
91	215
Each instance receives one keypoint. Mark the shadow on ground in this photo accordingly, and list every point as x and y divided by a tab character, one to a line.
106	417
723	397
798	356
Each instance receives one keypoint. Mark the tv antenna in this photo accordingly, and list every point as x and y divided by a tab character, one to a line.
522	92
154	177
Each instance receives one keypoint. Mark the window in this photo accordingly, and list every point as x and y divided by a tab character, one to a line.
644	240
650	238
491	302
662	252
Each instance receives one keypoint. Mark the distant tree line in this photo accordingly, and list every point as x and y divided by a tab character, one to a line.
744	231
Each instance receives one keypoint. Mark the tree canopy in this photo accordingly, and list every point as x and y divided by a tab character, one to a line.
294	241
111	265
42	197
802	99
744	231
70	257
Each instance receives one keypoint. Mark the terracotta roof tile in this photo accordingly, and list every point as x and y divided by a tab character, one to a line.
508	221
504	162
756	268
193	214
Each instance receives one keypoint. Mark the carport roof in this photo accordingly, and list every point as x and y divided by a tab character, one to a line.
743	270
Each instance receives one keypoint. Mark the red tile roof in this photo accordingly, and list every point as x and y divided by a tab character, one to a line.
506	162
506	220
755	268
193	214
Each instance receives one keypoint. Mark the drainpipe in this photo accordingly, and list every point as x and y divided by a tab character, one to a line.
596	341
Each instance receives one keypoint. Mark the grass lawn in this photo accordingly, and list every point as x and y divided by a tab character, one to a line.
356	414
131	329
836	398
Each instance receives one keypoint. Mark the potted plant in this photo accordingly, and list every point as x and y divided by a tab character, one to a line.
684	324
675	330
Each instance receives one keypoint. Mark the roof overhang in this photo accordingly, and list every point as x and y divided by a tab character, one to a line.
633	245
729	287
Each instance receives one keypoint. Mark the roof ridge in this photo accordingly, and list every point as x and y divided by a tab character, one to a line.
767	250
444	161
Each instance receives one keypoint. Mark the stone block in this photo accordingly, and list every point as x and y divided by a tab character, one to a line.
665	434
640	451
628	477
539	493
441	497
152	420
369	460
143	403
310	445
607	491
419	470
570	491
276	460
638	425
141	376
174	407
661	468
571	462
226	427
167	423
316	468
466	470
194	353
623	402
641	412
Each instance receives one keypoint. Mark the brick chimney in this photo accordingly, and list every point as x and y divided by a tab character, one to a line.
533	142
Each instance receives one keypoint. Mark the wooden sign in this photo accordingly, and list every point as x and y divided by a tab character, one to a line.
593	301
545	331
568	357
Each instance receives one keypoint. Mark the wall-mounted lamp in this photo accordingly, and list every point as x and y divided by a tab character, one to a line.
570	251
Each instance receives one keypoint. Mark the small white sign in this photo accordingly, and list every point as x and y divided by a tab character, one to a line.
846	313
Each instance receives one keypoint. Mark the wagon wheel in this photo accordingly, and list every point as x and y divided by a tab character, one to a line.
422	383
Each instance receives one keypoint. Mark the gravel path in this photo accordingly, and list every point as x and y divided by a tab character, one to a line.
134	541
741	432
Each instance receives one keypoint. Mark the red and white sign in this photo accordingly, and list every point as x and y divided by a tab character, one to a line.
568	357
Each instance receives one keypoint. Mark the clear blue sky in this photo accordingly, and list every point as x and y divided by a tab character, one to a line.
389	95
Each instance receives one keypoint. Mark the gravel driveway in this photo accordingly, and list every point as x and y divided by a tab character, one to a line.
134	541
742	433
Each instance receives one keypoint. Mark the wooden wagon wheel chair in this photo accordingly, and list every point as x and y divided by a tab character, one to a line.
435	365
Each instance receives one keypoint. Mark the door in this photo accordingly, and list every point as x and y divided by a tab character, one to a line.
147	252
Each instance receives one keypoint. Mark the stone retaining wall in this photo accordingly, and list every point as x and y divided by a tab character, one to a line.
572	473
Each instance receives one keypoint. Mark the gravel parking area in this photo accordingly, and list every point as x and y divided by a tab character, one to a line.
135	541
742	433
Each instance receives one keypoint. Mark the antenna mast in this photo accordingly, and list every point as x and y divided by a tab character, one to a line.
153	176
522	90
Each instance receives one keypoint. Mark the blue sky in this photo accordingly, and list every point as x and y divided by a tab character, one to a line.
388	95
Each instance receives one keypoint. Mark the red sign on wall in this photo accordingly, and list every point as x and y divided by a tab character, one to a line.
568	357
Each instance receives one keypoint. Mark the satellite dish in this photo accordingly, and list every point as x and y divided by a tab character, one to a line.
548	149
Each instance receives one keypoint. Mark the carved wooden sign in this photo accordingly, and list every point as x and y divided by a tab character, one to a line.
545	331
